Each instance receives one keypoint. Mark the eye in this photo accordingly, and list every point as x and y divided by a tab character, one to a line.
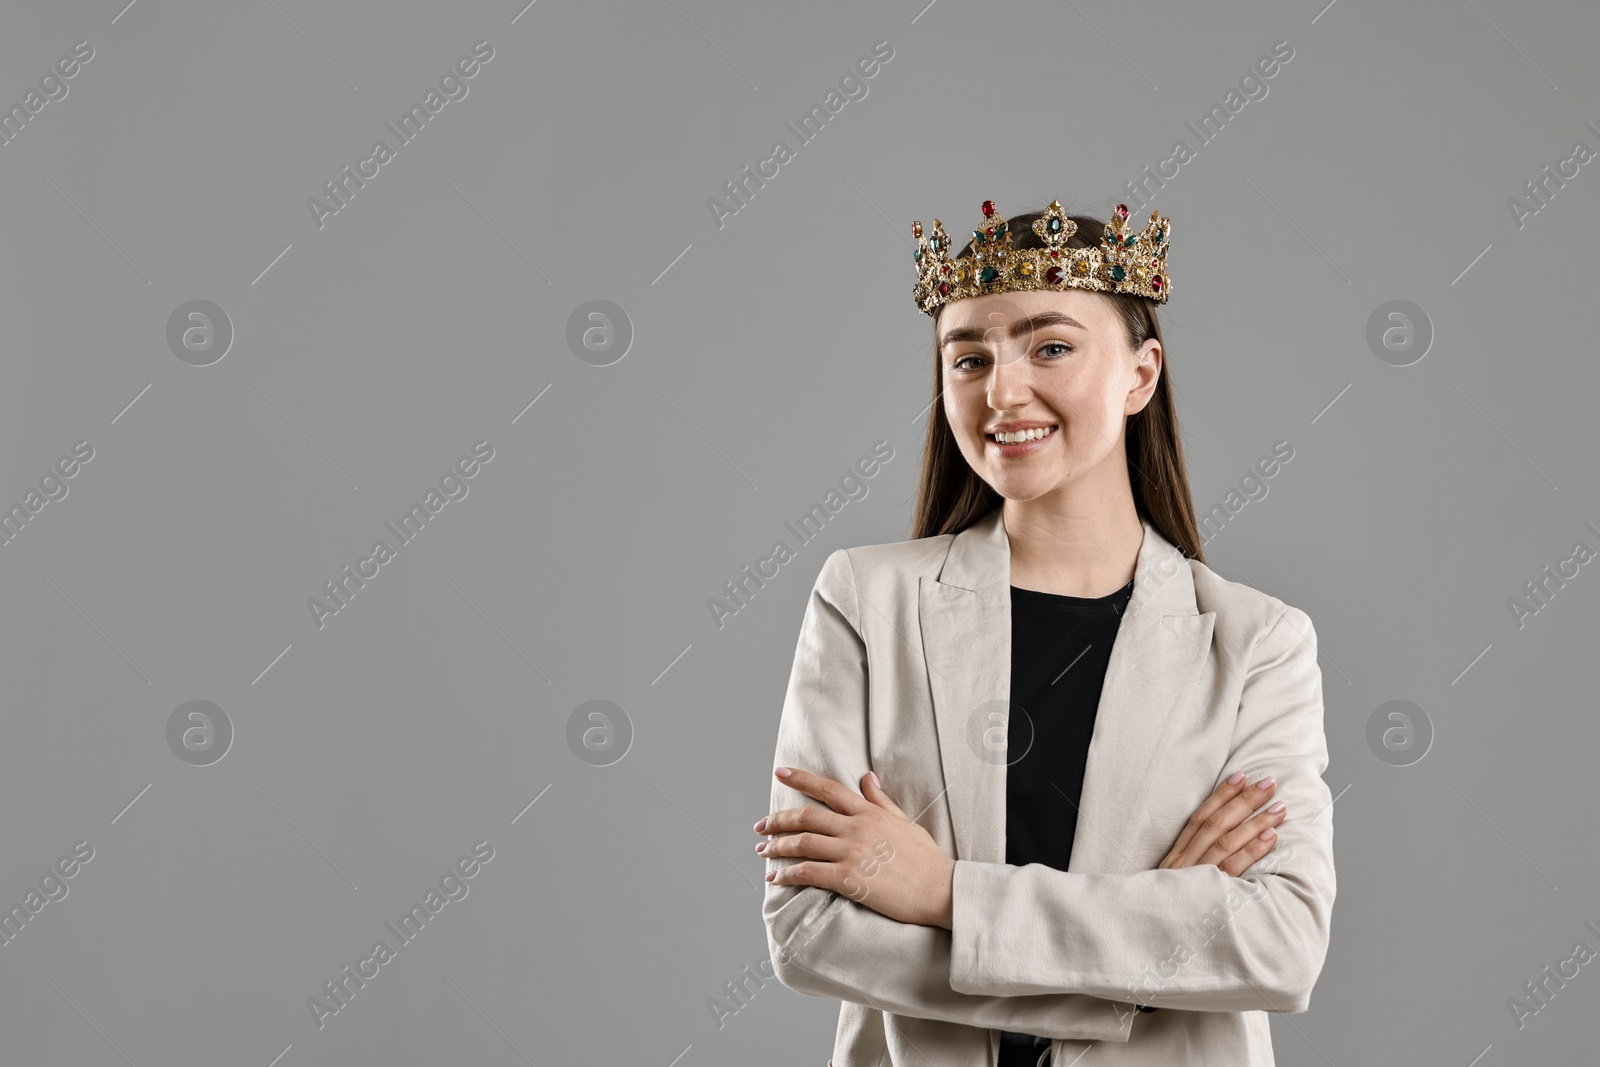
960	364
1062	347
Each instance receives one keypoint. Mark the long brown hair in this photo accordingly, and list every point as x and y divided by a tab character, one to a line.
951	496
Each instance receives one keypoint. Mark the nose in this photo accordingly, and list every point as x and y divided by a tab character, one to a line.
1010	381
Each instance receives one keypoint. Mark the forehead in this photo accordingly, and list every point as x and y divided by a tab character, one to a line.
999	309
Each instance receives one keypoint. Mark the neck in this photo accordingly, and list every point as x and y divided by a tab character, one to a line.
1085	549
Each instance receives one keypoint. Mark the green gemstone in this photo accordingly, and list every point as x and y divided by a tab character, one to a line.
1159	235
988	275
1055	226
918	255
1117	273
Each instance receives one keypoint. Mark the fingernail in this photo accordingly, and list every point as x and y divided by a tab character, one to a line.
783	772
874	776
762	847
1279	806
762	825
771	875
1236	777
1266	835
1265	783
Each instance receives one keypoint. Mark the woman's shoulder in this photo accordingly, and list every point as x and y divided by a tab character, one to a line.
1242	609
916	557
879	567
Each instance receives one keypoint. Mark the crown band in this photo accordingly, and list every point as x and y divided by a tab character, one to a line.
1124	262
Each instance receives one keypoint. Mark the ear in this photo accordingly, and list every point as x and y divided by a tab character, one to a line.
1146	361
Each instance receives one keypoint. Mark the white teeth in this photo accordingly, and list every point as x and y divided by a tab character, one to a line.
1021	435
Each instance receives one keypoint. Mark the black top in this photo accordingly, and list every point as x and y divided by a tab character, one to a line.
1060	647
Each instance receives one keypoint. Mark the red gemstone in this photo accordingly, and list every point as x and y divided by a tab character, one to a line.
1055	253
1122	211
1053	275
945	268
988	208
916	229
944	289
1155	283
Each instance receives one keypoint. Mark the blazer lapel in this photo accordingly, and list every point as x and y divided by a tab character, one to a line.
965	617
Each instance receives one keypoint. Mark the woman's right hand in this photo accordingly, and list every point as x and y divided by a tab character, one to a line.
1223	832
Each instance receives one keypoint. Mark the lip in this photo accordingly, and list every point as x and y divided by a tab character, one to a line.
1026	448
1013	427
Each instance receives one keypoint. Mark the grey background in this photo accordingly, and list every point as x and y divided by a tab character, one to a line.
768	355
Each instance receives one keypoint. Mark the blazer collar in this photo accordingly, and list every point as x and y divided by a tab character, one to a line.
1161	643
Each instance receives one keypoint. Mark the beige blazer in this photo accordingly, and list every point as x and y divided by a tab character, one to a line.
903	667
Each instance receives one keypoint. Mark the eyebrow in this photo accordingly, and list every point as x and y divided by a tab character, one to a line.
1018	328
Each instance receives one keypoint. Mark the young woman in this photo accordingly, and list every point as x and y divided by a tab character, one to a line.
1065	728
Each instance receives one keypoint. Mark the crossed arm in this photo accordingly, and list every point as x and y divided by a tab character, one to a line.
1090	946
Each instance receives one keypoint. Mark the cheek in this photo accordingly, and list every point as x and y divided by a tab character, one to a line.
1087	398
960	404
965	410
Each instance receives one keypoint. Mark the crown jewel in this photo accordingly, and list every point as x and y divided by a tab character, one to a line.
1124	262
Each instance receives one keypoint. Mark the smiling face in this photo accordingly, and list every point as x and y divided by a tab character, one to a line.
1056	368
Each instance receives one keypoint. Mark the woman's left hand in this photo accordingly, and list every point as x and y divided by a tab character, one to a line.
862	847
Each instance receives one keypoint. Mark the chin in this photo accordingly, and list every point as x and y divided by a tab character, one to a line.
1024	488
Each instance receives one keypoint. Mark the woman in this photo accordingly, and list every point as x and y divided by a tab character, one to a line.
1062	723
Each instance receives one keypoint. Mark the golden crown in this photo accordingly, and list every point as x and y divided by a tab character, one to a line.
1124	261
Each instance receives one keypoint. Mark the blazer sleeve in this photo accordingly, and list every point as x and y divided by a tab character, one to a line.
1193	938
826	945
